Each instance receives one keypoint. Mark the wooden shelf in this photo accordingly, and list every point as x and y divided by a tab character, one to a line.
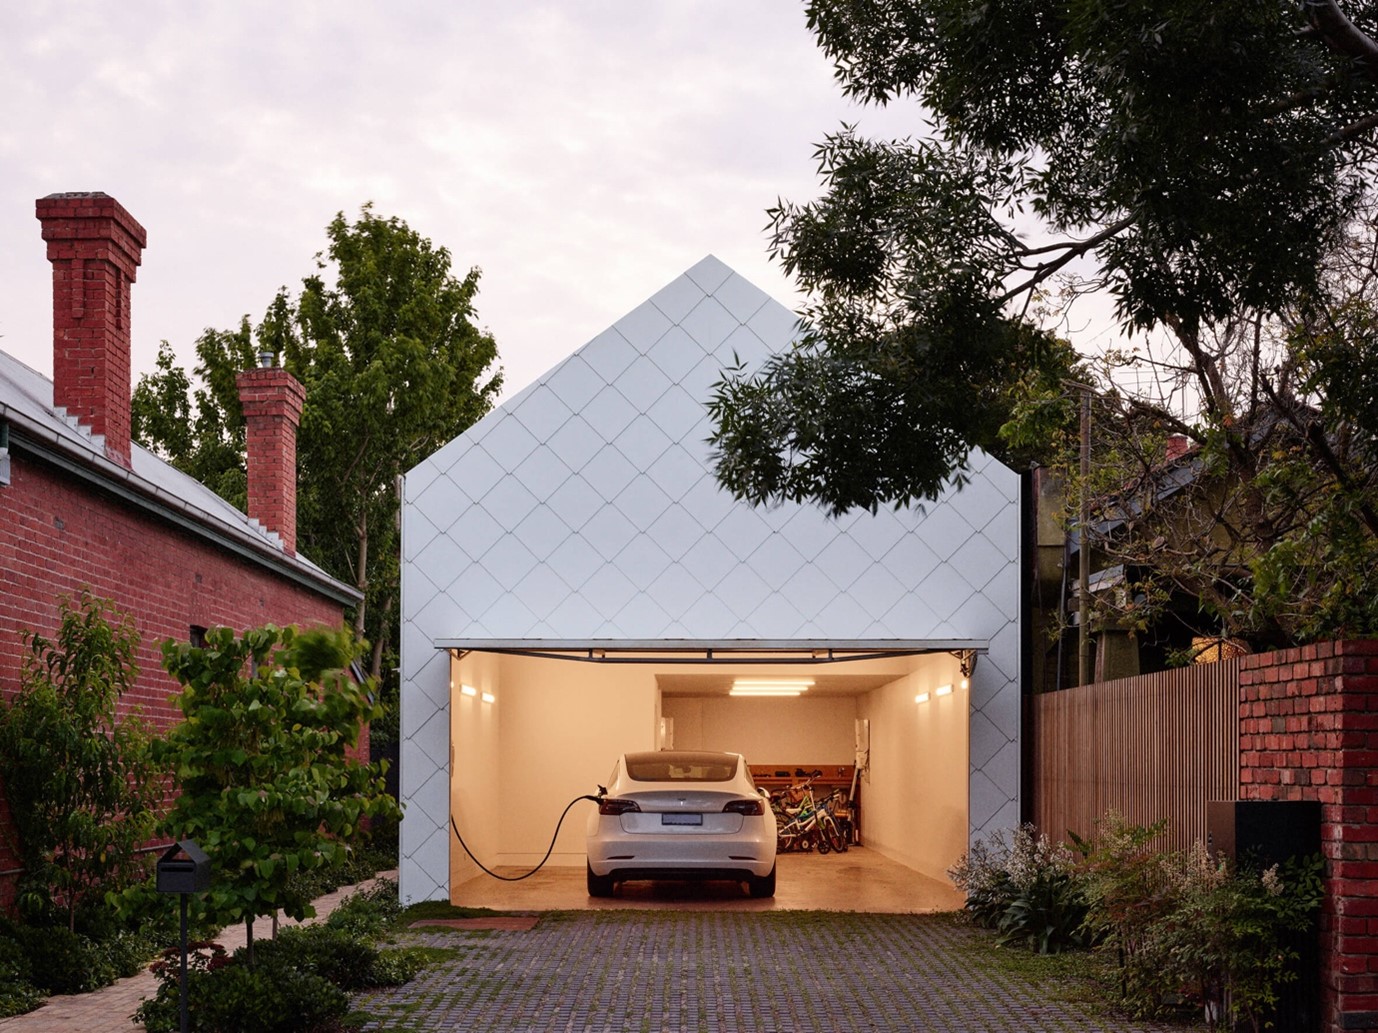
777	776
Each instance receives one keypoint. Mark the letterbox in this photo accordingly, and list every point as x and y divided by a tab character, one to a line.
184	868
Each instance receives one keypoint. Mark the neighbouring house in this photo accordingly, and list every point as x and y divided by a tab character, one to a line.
1175	512
575	584
83	506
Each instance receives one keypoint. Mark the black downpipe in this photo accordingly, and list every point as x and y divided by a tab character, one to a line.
1028	549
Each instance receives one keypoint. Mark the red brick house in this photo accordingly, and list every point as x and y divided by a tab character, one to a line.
81	505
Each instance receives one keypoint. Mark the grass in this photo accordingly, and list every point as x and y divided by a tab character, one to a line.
1074	983
433	909
1084	979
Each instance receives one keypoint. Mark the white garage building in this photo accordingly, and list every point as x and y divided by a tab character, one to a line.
576	585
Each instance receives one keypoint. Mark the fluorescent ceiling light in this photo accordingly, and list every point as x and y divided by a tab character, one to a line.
770	686
468	690
922	697
943	690
488	697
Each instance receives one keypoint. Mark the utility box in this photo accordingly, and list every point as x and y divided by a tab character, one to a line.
1260	834
1263	832
184	868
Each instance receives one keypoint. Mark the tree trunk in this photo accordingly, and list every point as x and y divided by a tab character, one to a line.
384	624
361	575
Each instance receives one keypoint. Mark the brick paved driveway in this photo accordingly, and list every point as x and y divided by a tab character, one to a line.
722	972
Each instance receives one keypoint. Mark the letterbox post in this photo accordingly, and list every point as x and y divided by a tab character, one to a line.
188	873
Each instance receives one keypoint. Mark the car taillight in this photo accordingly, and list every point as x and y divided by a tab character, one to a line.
751	807
612	805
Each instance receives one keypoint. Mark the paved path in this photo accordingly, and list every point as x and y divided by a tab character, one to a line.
679	971
724	972
108	1010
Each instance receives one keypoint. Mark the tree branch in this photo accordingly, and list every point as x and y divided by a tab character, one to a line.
1343	36
1073	250
1352	130
1314	435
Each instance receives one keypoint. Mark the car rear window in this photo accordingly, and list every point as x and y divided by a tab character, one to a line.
681	767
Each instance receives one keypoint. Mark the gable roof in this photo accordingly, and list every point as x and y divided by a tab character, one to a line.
585	509
152	484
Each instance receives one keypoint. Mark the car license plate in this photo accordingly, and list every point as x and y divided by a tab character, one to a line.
681	819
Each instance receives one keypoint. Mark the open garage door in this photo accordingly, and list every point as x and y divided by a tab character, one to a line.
534	725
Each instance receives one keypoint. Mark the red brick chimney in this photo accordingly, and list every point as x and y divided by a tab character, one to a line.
95	247
272	400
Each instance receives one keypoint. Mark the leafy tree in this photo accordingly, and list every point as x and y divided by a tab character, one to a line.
1254	516
1198	159
266	785
81	788
382	337
1207	166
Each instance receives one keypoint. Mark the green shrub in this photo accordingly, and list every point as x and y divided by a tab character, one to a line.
227	997
367	913
19	997
17	992
237	999
397	966
63	962
1195	928
1027	888
77	775
330	953
125	953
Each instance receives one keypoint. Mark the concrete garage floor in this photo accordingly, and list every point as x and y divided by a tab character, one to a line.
858	880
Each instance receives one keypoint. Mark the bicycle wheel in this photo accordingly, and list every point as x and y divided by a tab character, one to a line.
838	837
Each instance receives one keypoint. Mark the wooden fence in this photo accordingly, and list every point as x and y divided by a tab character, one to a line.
1156	746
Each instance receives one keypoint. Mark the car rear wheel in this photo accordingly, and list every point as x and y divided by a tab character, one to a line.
762	885
601	885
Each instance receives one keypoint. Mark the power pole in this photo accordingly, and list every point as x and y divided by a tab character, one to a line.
1084	550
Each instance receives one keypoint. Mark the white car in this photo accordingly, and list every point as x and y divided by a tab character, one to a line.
677	814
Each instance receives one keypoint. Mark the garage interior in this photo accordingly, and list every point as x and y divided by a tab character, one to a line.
534	728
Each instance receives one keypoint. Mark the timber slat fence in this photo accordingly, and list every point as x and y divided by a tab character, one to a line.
1155	746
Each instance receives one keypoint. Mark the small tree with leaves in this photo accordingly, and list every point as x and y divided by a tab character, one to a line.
385	340
80	784
267	786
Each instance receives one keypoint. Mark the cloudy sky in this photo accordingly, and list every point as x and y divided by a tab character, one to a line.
582	154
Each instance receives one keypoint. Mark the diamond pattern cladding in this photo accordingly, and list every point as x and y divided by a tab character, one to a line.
584	508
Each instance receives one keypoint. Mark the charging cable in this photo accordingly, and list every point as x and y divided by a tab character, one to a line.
549	850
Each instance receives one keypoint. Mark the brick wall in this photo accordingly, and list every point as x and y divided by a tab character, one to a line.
1309	731
57	537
